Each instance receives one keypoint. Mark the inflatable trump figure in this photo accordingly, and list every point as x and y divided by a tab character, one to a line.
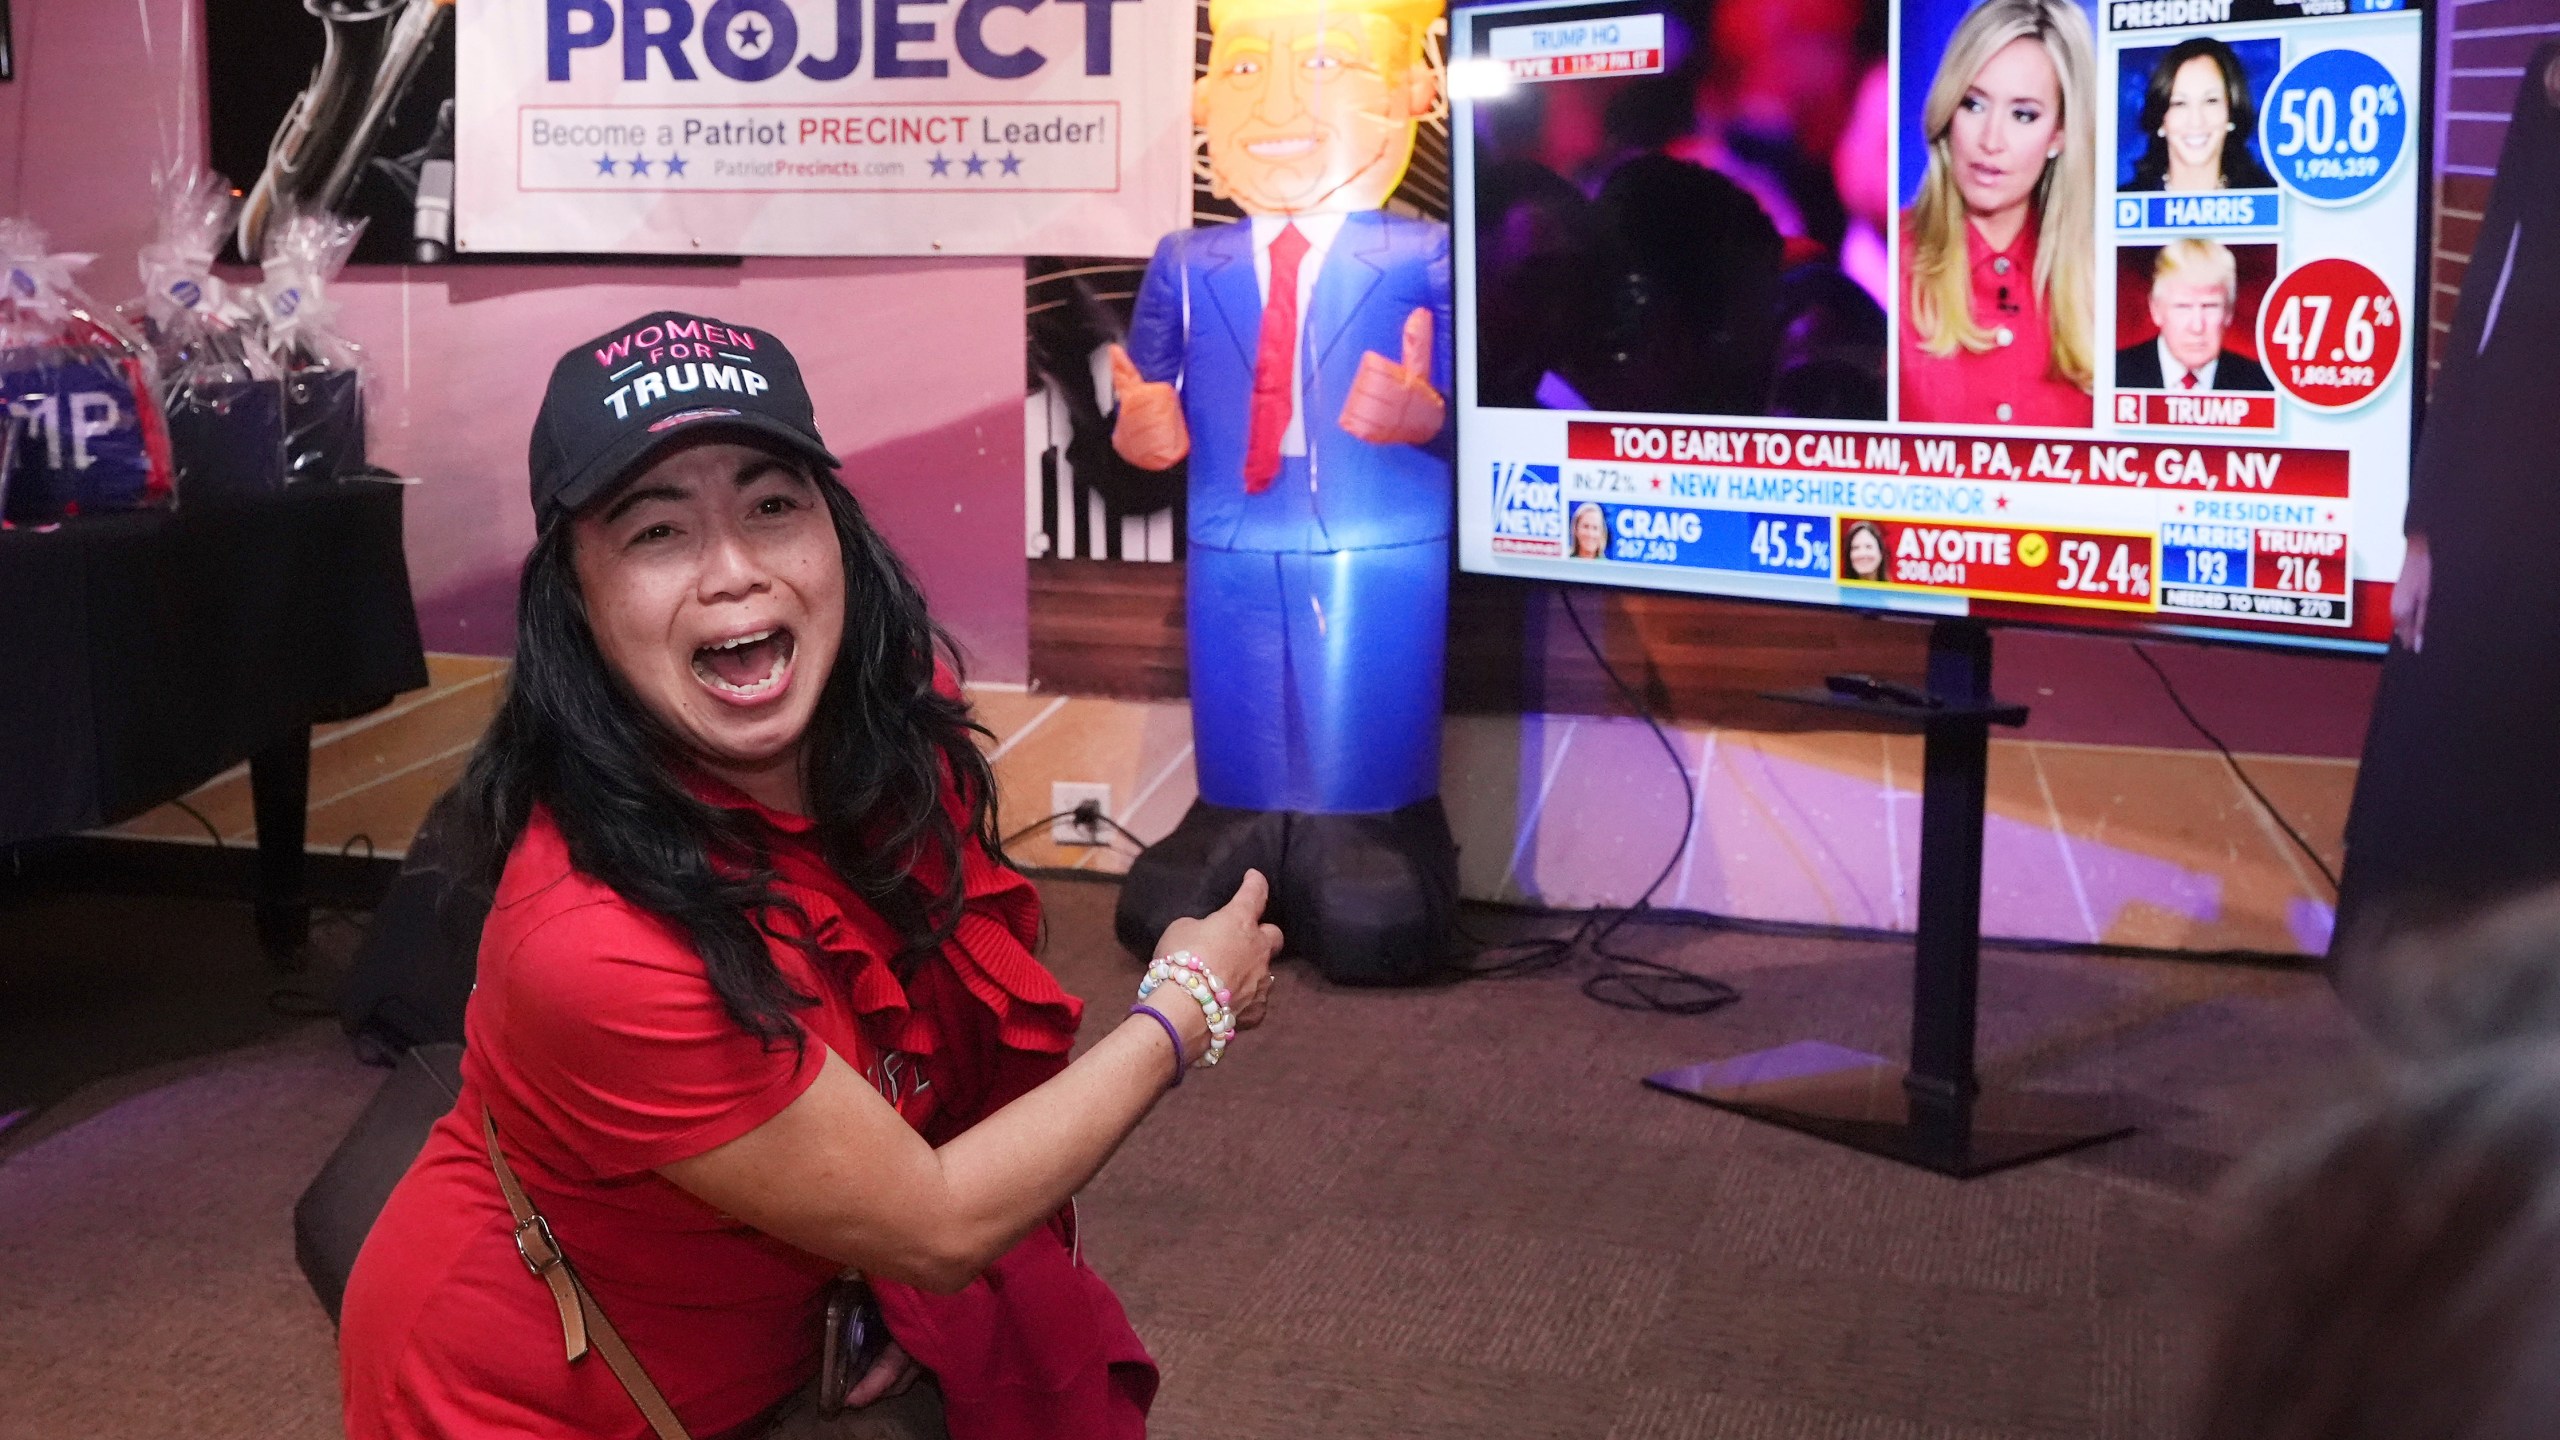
1300	358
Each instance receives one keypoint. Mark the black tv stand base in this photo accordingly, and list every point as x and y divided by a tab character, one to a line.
1865	1102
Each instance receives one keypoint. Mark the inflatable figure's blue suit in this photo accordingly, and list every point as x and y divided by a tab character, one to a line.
1264	350
1319	607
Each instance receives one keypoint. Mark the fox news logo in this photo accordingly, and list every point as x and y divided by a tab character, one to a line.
1528	509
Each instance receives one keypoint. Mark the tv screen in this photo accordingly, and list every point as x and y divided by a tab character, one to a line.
2101	315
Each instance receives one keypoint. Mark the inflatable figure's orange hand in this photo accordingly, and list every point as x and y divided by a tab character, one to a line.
1394	404
1150	433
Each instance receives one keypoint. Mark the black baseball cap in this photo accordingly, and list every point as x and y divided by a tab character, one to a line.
618	399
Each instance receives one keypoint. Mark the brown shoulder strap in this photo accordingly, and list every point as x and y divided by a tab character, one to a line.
580	1320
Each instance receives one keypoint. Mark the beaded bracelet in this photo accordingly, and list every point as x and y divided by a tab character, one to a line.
1185	960
1192	974
1222	1024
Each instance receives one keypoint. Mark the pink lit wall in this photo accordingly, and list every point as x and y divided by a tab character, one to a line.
930	430
915	365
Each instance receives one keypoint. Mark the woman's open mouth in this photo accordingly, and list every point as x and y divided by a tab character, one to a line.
747	669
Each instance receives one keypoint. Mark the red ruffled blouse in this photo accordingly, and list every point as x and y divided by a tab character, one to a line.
596	1041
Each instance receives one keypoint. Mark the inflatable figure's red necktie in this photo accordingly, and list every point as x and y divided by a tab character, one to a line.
1274	363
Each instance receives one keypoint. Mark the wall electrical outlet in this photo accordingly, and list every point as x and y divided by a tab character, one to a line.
1065	796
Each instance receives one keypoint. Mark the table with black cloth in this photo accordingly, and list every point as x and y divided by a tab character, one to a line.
148	652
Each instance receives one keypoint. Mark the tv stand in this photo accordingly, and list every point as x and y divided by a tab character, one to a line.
1938	1116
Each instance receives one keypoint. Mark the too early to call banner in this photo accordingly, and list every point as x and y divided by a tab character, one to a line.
822	127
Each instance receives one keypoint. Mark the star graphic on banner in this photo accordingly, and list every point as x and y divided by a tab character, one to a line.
975	165
2182	507
745	38
1012	163
604	164
1657	482
675	164
940	164
639	164
2000	504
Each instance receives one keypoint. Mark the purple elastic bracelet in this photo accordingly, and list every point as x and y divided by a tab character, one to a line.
1142	1008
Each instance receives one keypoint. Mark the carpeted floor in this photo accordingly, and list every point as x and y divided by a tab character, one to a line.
1416	1214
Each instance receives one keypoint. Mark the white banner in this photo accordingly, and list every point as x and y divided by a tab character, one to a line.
823	127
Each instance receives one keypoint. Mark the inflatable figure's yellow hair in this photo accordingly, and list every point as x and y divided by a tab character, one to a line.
1416	18
1417	26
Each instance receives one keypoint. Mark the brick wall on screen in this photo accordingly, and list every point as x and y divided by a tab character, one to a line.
2482	49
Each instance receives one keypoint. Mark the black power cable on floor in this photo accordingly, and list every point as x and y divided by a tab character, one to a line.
2233	761
1088	817
1714	923
293	1000
1626	980
207	824
1124	832
1007	842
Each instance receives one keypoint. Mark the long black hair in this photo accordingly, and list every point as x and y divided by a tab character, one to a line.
569	736
2240	169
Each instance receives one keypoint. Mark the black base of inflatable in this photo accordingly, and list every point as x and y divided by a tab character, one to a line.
1370	899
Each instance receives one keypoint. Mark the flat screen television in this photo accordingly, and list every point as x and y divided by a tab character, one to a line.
2093	315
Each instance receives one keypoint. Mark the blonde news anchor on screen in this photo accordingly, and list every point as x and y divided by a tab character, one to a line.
1996	313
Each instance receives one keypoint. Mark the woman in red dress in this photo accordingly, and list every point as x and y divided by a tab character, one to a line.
755	999
1997	309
